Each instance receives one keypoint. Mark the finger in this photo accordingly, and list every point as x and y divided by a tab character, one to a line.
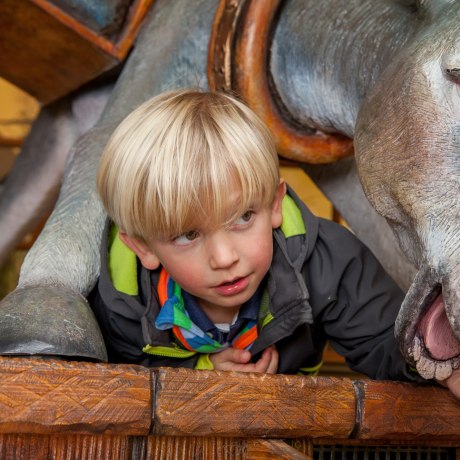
226	359
262	364
273	364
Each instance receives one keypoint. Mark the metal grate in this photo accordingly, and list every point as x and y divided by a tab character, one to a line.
382	453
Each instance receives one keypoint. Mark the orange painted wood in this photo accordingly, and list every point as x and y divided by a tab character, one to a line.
394	411
237	62
48	54
213	403
251	81
50	396
119	46
10	141
42	56
262	449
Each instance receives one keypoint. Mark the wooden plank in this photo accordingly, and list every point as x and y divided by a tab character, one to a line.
213	403
120	44
191	447
391	410
48	54
39	397
44	57
81	447
50	396
263	449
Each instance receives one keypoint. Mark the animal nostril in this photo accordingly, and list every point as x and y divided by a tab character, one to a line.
450	64
453	73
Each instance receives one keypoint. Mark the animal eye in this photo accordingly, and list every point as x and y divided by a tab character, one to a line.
187	237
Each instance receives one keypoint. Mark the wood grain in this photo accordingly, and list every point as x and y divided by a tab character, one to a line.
49	396
212	403
392	410
63	398
261	449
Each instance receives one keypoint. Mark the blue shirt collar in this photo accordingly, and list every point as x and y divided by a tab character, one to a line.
248	311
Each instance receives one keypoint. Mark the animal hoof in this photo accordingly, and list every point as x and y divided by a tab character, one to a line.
49	321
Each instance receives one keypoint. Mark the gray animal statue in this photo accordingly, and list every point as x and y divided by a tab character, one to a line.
30	190
384	72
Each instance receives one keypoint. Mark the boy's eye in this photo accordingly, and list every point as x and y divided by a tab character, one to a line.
245	218
187	237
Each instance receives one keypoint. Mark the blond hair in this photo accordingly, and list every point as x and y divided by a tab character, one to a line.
173	160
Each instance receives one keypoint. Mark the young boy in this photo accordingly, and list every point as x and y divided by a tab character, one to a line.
212	262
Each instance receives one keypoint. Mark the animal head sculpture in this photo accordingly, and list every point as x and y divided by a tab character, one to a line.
407	143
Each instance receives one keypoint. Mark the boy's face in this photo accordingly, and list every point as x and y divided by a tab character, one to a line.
221	267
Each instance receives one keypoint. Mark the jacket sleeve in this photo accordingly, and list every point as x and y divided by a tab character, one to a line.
356	303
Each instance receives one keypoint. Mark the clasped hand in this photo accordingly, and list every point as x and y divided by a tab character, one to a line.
233	359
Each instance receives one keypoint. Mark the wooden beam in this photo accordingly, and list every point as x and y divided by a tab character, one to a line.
213	403
391	410
49	54
53	397
50	396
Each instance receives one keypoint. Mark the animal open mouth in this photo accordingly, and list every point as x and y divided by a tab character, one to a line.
434	349
436	333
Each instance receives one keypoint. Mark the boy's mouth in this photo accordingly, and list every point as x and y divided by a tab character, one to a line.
233	287
229	283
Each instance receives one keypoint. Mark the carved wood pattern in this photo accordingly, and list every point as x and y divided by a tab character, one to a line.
252	405
52	409
41	396
399	410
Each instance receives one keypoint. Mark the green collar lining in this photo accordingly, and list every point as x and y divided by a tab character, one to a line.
293	223
122	265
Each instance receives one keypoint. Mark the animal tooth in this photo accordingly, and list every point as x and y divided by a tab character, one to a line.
443	370
455	363
425	367
416	349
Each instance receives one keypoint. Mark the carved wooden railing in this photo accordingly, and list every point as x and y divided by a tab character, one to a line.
52	409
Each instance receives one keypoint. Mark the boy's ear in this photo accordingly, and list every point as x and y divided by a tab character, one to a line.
277	216
148	259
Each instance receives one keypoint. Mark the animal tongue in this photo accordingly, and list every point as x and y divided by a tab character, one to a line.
437	333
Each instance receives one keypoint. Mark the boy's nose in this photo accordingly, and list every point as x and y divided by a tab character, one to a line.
222	251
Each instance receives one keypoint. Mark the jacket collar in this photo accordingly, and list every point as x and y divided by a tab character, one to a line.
288	293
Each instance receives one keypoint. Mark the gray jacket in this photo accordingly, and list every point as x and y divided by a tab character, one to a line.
322	285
